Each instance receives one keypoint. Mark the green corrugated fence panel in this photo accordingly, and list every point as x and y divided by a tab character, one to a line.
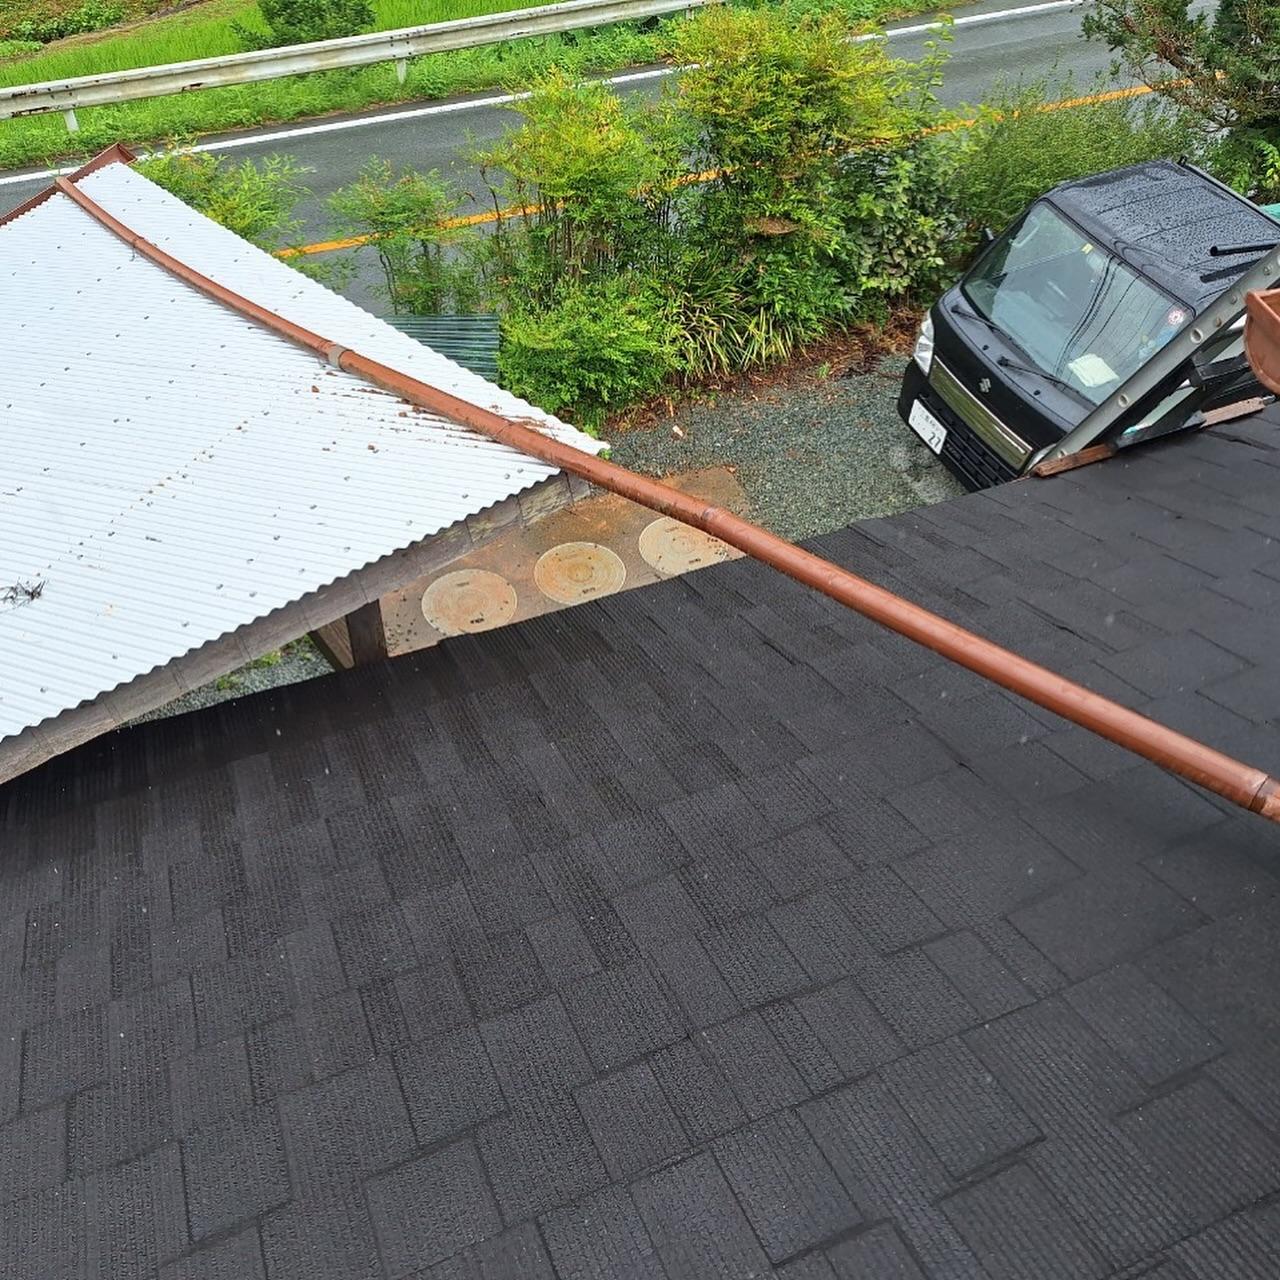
470	340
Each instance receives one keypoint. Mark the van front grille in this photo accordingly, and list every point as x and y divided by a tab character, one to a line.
981	420
969	457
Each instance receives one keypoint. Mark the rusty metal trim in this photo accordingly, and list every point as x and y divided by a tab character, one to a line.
1242	784
117	153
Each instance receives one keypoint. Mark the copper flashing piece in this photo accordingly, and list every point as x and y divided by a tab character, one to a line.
1240	783
115	154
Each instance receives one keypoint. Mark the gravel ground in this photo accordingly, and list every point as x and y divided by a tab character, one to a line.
300	660
813	453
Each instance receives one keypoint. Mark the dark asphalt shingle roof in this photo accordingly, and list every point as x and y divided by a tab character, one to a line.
705	930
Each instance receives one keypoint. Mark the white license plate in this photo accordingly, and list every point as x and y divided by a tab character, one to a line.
927	427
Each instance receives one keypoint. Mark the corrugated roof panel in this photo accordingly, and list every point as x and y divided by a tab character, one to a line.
271	283
171	471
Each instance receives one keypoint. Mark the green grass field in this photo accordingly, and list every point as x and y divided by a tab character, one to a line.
205	30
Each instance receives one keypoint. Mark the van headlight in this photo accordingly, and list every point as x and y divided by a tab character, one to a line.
923	354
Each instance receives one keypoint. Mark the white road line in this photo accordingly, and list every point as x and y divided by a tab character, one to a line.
977	19
506	99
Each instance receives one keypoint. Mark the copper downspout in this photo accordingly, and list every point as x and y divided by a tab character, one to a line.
1240	783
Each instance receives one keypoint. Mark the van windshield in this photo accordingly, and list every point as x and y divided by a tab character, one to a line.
1079	313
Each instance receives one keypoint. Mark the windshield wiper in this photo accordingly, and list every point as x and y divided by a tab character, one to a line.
973	314
1005	363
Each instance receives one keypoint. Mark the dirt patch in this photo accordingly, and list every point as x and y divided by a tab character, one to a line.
858	351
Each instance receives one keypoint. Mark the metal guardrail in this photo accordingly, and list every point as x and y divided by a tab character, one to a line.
324	55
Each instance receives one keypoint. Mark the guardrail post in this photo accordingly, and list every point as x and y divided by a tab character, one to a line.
402	69
69	115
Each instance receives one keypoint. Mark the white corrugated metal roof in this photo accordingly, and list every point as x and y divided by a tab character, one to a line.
171	471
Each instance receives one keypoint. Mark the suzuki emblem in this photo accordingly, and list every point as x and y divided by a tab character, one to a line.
984	385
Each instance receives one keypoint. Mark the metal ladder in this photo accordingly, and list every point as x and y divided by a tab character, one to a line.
1219	316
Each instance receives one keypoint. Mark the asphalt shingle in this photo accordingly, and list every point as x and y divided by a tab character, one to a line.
704	930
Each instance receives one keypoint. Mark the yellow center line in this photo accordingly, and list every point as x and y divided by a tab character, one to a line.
354	242
496	215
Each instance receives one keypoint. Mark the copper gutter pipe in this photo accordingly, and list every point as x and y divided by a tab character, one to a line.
1240	783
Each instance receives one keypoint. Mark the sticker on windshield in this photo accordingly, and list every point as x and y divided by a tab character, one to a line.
1092	370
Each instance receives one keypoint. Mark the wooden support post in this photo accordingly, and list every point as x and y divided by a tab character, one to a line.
334	644
368	637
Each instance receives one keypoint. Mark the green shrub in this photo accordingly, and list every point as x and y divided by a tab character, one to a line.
1249	161
1224	69
591	180
92	16
302	21
255	201
777	193
403	214
773	99
1018	149
901	220
723	325
598	347
779	108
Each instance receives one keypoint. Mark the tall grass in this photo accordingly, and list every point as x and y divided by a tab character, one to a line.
206	32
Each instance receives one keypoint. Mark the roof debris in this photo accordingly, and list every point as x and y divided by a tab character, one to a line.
23	592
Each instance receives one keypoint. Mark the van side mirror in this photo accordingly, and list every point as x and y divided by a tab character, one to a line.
985	238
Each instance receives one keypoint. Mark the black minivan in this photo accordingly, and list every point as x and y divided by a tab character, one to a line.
1081	291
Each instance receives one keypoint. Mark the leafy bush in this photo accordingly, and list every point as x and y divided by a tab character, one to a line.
777	108
617	266
302	21
1224	70
901	219
591	181
597	347
723	325
1249	161
1021	146
404	215
91	16
774	98
254	201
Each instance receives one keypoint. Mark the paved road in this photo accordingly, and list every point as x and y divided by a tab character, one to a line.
432	135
